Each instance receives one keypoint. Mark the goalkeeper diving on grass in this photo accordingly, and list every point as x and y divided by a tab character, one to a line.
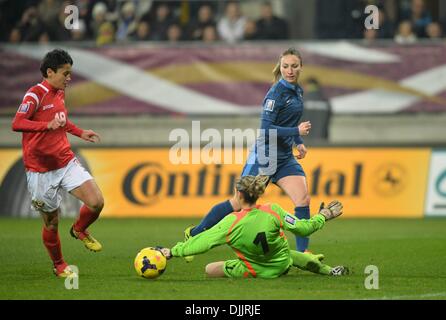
256	234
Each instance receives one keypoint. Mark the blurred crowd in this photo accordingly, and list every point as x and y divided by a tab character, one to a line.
108	21
404	21
415	22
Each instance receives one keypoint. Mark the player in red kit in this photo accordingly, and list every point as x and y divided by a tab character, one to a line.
49	161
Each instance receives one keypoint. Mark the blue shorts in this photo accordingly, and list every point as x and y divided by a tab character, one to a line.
285	168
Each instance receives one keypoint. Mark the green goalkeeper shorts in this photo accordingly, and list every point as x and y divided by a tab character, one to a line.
239	269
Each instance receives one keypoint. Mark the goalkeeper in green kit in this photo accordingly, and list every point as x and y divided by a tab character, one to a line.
256	234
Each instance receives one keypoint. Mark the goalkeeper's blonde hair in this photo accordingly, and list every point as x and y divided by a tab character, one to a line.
252	187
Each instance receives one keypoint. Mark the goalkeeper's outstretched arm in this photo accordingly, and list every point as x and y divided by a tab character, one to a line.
204	241
305	227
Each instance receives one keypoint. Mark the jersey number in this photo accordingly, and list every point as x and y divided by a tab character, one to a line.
60	116
261	238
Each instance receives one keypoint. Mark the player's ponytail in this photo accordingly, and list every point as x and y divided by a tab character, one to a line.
276	71
252	187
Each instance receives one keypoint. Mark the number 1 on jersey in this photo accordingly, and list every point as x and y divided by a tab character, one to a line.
261	238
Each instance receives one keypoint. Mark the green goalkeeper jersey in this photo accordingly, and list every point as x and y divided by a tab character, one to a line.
257	237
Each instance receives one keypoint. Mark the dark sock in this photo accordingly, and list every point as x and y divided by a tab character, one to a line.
217	213
302	213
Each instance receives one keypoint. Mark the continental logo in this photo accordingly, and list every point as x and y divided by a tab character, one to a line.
336	182
147	183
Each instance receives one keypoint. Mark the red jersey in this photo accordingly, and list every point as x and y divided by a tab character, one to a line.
44	149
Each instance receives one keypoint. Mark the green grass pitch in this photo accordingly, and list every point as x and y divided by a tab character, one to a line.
410	256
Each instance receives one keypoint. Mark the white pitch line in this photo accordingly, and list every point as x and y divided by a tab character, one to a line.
410	296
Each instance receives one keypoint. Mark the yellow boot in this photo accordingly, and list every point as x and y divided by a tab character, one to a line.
89	242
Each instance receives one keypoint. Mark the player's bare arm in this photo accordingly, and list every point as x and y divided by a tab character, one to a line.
90	135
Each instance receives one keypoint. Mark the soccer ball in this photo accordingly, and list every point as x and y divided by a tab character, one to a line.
150	263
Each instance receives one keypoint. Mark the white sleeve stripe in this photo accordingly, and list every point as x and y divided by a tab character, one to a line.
33	95
43	87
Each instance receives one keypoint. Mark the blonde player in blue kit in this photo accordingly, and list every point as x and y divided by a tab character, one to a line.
256	234
273	156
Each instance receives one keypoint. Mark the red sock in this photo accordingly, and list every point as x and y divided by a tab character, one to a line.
52	243
86	218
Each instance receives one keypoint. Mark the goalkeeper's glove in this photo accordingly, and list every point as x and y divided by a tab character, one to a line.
165	251
332	210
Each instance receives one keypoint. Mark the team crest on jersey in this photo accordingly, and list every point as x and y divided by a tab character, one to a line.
290	219
269	104
24	107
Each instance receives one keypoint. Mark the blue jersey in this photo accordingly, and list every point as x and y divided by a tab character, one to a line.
282	110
